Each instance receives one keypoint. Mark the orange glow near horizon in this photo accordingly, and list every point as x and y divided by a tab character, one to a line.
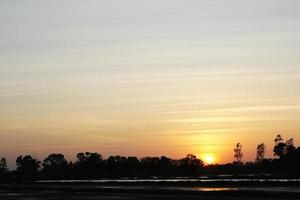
208	159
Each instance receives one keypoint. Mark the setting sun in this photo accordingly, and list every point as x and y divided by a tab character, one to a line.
208	159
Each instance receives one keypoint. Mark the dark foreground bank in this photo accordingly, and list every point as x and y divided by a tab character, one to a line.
48	195
151	190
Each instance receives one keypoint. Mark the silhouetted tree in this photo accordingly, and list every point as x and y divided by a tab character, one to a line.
88	165
55	166
260	152
3	165
27	167
238	155
117	165
149	166
157	166
290	159
289	146
191	165
280	147
166	166
132	166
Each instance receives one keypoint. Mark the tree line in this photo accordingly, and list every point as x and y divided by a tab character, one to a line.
91	165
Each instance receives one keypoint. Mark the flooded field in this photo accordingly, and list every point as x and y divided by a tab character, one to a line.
175	180
154	189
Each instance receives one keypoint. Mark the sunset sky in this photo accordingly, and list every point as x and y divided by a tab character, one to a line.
155	77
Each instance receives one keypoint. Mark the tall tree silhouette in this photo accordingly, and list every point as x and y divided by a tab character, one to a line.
238	155
3	165
260	152
280	147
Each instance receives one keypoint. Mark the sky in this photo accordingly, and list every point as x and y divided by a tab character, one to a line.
137	77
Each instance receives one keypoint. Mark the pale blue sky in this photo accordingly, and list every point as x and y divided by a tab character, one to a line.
186	75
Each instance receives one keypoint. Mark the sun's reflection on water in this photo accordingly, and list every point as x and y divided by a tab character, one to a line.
212	189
